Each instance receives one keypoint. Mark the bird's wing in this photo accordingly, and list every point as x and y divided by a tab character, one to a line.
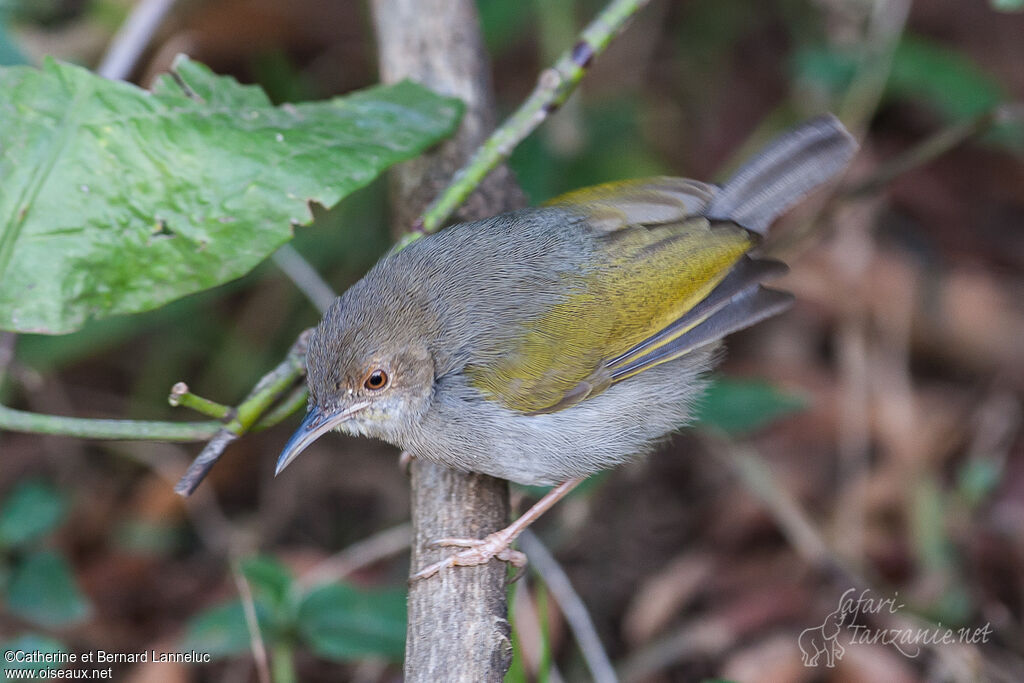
656	259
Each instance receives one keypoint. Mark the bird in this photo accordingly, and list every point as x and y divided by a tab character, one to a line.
546	344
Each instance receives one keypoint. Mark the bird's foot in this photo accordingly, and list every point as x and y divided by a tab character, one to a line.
497	545
477	551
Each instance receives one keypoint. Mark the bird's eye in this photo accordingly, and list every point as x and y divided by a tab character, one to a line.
376	380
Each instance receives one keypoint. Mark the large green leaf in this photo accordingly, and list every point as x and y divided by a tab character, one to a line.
117	200
29	511
43	590
340	621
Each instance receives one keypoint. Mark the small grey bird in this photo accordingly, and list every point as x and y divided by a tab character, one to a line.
546	344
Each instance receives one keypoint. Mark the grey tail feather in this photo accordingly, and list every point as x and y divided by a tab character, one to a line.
789	168
748	307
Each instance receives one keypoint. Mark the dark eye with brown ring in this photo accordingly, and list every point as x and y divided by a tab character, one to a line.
376	380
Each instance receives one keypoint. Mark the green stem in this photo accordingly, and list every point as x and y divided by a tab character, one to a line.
553	88
266	392
282	662
181	396
270	387
86	428
288	405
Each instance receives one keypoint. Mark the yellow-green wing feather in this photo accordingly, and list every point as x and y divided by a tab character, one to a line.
656	260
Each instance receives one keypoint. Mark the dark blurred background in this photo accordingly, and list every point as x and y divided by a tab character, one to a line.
869	438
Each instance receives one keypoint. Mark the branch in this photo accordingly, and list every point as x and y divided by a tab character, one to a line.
377	547
86	428
247	415
304	276
458	628
132	38
182	396
552	90
252	624
458	622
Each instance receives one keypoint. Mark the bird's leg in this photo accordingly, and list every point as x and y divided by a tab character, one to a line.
497	545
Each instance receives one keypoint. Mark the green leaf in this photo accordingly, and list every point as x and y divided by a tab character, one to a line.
977	479
43	590
29	511
943	77
221	631
741	406
828	67
114	200
268	578
146	537
29	643
1007	5
340	621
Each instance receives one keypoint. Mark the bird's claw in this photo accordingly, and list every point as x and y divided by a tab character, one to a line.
477	552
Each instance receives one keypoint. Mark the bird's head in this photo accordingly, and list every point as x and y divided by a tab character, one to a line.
369	372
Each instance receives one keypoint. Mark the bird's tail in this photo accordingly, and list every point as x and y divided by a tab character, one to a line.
790	167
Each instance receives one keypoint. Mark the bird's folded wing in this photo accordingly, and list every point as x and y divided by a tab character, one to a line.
647	275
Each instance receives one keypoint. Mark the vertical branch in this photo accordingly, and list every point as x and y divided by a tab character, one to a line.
458	628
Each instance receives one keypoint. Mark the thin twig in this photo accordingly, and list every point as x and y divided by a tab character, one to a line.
933	147
305	277
132	38
883	29
529	627
205	461
288	405
181	396
88	428
553	88
377	547
259	650
793	522
263	396
575	611
266	392
165	461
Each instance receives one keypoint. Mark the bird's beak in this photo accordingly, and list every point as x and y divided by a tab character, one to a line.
313	426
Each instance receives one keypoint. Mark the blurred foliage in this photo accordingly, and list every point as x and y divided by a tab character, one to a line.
10	55
503	22
32	509
336	621
42	589
738	407
38	582
923	70
30	643
623	153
